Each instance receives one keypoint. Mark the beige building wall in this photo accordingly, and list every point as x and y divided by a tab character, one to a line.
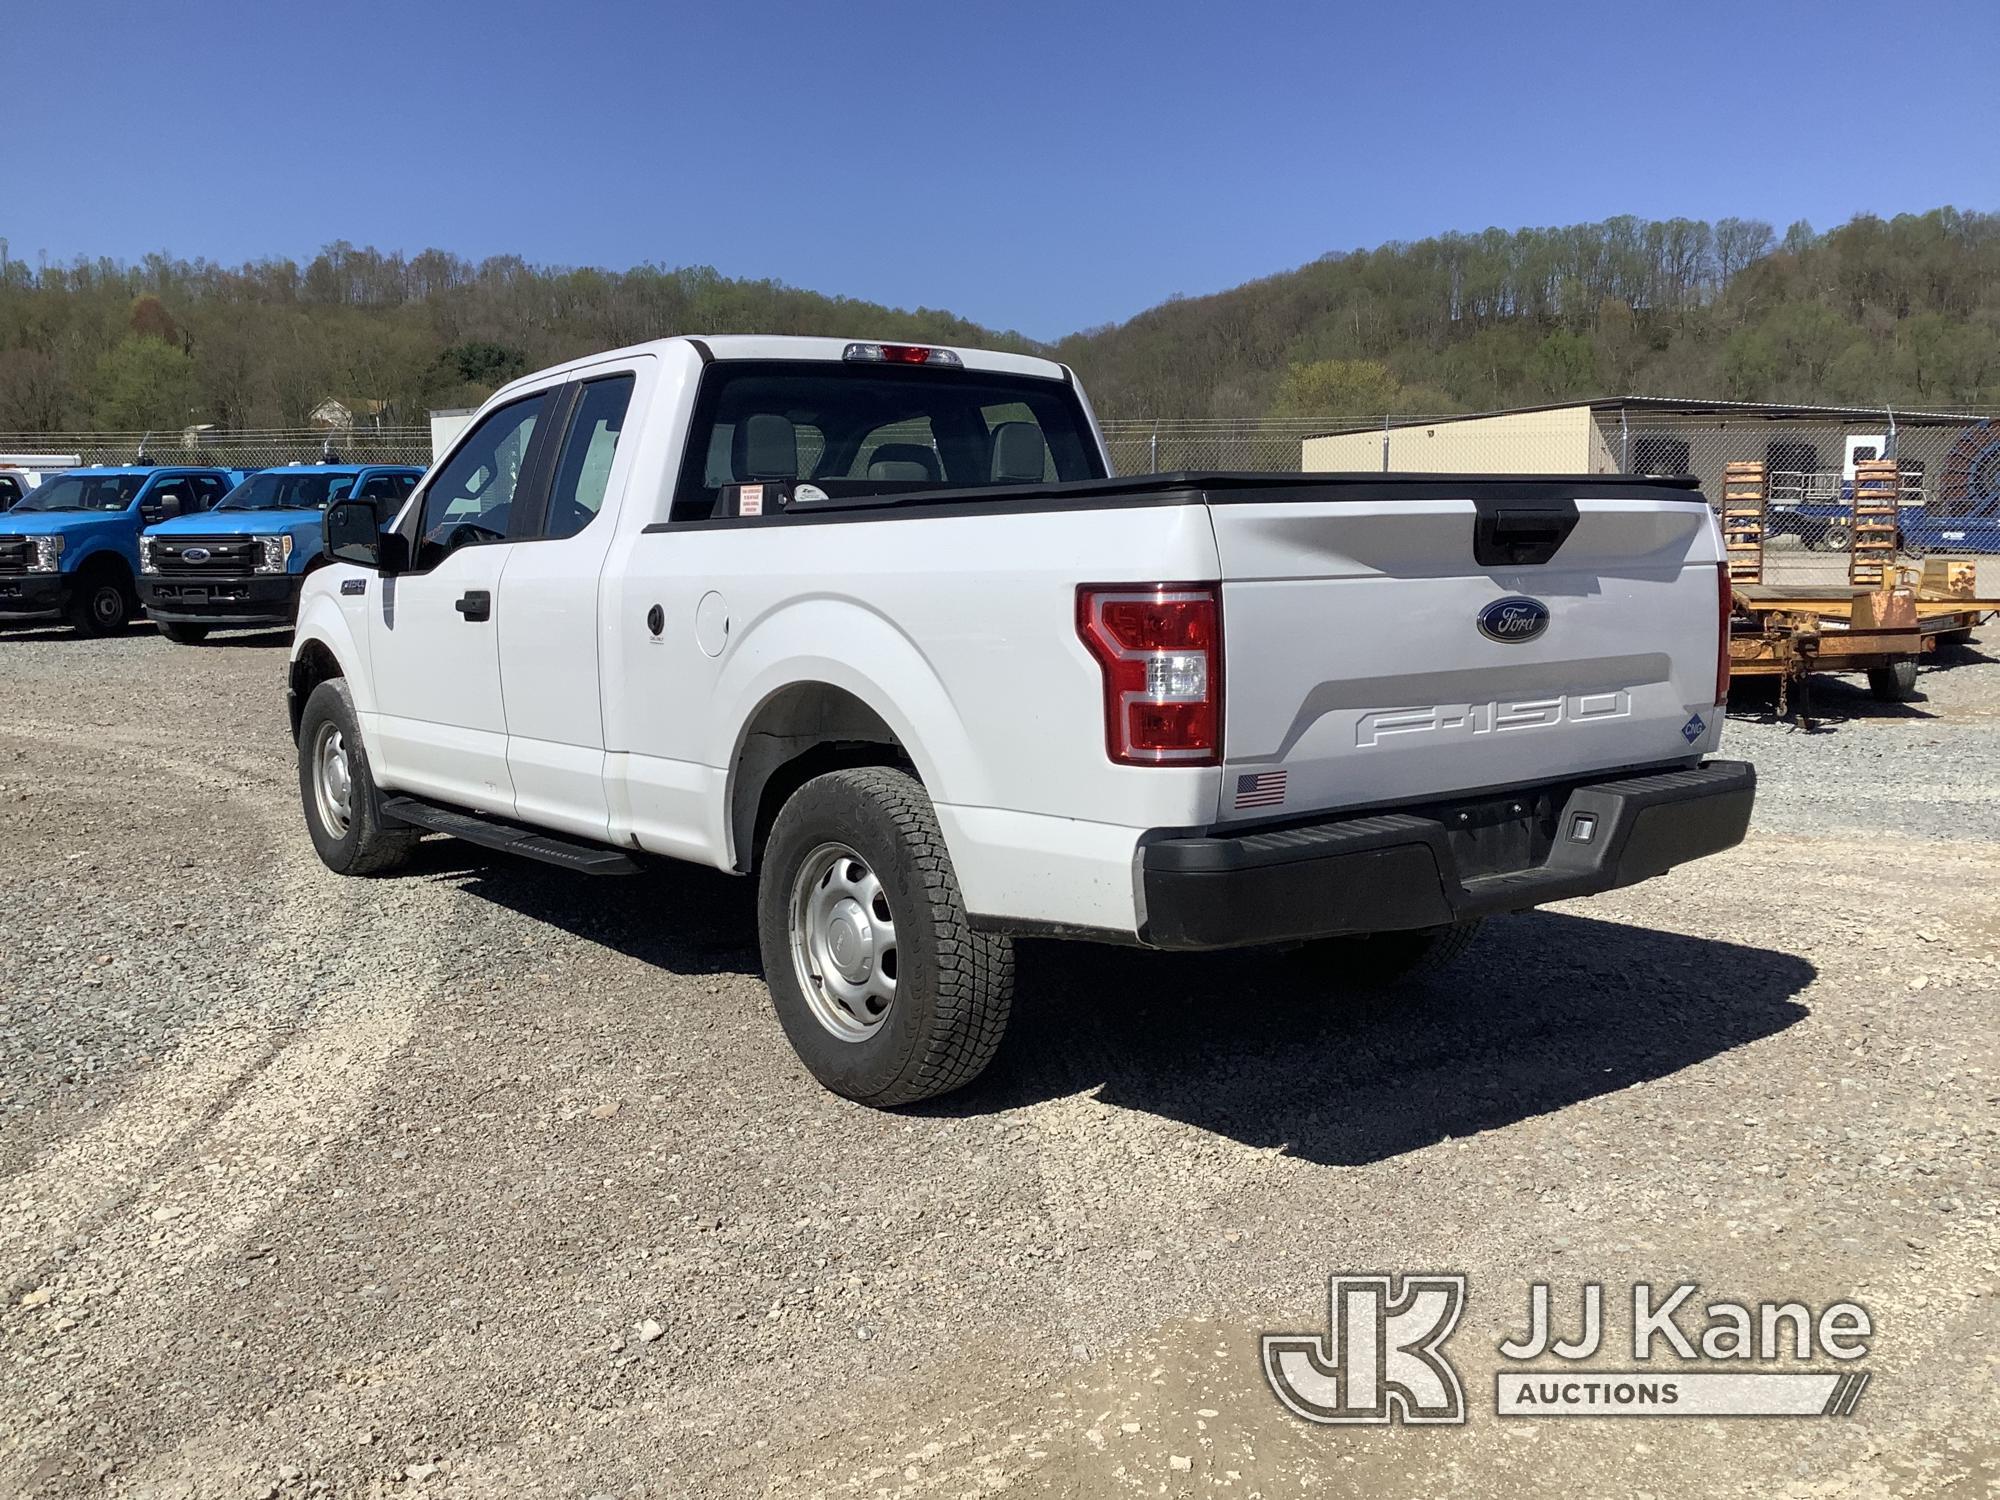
1562	441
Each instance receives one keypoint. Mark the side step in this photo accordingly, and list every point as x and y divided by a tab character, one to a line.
512	838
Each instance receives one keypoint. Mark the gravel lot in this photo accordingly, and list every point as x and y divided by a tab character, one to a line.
492	1180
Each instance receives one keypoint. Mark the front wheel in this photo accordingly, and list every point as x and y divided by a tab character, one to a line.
184	635
99	605
1377	960
343	809
885	992
1836	538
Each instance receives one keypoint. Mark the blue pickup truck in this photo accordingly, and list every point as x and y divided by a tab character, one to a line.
70	548
240	565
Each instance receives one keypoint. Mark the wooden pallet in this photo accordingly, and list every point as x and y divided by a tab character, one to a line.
1745	489
1871	557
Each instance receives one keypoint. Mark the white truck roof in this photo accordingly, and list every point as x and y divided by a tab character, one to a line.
799	347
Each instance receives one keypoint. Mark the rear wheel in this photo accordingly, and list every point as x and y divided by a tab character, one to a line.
1378	959
1836	538
100	603
343	809
184	635
885	992
1895	683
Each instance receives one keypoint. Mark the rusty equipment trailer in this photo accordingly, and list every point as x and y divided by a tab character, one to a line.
1879	622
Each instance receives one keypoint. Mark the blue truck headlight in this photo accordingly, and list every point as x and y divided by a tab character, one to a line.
277	550
46	556
146	564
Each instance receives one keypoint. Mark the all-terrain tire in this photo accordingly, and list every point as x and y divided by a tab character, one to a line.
361	843
953	986
1377	960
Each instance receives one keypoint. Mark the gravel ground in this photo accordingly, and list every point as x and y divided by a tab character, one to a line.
491	1180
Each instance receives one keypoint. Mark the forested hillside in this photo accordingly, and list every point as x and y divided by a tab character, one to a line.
161	344
1904	310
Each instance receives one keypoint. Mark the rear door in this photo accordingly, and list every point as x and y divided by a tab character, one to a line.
548	608
440	725
1439	638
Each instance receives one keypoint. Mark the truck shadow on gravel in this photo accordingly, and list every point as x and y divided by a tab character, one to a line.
1545	1011
683	918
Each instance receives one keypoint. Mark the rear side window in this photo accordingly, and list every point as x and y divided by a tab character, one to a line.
584	469
849	430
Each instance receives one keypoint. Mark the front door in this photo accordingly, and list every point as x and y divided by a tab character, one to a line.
439	725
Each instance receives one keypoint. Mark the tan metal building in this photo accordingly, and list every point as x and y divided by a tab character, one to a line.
1811	450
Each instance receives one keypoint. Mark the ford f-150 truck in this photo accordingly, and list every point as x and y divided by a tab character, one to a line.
70	547
241	564
874	624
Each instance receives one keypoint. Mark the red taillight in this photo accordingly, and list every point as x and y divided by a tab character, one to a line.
905	354
1160	646
1725	605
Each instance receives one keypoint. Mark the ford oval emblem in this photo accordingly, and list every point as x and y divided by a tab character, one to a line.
202	554
1513	620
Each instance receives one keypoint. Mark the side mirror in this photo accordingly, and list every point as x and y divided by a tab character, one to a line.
151	513
353	535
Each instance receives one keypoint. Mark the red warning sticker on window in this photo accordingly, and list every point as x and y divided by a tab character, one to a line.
750	500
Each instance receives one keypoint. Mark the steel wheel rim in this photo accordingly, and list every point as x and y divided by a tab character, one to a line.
843	937
333	780
107	604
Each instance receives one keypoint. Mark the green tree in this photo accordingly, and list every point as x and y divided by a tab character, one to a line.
1339	388
142	383
1749	366
1563	364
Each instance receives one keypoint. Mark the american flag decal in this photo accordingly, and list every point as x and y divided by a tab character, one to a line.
1260	789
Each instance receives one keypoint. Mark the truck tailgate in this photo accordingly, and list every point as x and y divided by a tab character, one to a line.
1357	671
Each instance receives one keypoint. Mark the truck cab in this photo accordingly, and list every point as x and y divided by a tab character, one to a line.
69	549
241	564
14	486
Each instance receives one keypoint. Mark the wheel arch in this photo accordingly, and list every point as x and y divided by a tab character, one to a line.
323	647
100	560
802	730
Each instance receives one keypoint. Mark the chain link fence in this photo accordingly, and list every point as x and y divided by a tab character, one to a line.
228	450
1949	462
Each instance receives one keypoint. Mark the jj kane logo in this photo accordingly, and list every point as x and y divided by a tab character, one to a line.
1382	1357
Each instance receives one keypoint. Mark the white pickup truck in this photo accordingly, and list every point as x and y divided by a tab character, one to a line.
875	624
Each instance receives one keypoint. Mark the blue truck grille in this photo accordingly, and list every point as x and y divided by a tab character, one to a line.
13	554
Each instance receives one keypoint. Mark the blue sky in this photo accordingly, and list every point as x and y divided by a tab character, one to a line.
1041	166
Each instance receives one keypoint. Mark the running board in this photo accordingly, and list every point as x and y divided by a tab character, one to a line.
512	838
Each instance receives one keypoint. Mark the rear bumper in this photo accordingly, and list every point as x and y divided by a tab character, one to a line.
32	596
265	599
1396	870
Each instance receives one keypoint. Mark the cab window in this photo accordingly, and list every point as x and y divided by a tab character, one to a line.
584	469
472	497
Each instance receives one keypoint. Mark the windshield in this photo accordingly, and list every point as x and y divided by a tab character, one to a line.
823	430
287	492
83	492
